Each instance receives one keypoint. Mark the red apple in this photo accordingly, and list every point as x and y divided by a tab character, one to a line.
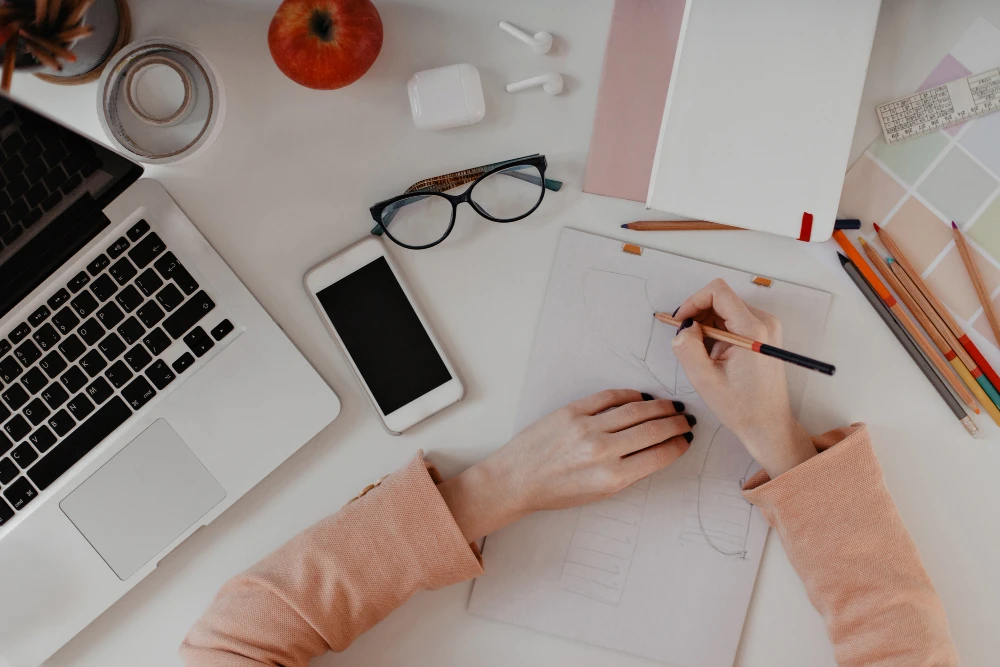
325	44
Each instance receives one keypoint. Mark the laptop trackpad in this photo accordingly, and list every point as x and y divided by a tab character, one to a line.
142	499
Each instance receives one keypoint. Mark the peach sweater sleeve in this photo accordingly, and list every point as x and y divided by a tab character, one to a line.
844	536
336	579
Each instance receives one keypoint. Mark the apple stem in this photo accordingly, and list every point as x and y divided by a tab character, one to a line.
321	25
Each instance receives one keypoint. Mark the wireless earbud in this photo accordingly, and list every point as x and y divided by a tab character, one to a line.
540	43
551	83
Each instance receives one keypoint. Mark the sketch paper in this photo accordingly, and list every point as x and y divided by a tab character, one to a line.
665	568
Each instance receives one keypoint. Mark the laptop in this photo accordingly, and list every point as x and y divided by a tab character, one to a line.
143	390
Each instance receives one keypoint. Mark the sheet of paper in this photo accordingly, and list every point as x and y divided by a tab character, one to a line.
665	568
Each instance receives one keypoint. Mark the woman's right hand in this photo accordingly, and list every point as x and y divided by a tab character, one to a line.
746	391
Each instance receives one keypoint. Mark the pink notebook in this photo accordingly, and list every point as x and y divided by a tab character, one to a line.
637	65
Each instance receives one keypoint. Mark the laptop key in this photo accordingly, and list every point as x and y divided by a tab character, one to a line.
42	439
98	265
183	362
150	314
110	315
8	471
52	364
118	247
131	330
10	370
169	297
6	513
122	271
55	395
138	358
93	363
61	423
19	332
72	347
65	320
20	493
77	444
34	381
138	392
222	330
129	299
138	229
91	331
84	304
15	396
58	299
148	282
36	412
4	413
188	315
156	341
39	316
160	374
46	336
80	407
100	390
73	379
118	374
5	346
103	287
199	344
112	346
27	353
17	428
24	455
78	282
146	251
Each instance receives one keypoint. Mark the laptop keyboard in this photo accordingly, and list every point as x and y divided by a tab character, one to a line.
38	168
81	364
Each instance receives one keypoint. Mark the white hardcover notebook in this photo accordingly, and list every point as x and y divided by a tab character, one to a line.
760	113
665	568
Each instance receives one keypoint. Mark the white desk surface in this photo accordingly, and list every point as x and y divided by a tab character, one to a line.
289	183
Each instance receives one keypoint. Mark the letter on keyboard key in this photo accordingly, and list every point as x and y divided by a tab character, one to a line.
77	444
138	392
17	428
80	406
61	423
24	455
100	390
188	315
36	412
42	439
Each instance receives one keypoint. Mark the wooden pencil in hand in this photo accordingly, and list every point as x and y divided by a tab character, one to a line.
756	346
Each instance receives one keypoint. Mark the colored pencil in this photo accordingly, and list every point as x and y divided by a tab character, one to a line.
962	337
946	371
755	346
977	279
908	345
697	225
932	332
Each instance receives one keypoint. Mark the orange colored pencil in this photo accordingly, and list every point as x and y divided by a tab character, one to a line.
943	369
960	334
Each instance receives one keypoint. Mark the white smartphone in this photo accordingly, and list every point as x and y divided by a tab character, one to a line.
361	297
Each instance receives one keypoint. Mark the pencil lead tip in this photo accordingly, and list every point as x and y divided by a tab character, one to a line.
889	260
877	228
953	225
862	241
625	226
843	259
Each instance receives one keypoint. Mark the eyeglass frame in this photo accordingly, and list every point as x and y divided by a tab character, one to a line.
438	186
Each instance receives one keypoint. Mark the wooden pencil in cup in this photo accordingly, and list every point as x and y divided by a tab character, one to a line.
963	338
755	346
933	331
944	369
977	279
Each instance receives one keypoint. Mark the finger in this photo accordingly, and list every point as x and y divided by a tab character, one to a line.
645	463
604	400
650	433
689	348
719	297
718	348
771	323
630	414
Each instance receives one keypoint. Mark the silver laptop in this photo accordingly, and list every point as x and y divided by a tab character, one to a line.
143	389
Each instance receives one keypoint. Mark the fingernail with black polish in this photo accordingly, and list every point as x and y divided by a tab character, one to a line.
646	397
674	314
692	420
685	324
678	407
689	436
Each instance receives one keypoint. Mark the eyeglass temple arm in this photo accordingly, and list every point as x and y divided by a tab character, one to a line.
444	183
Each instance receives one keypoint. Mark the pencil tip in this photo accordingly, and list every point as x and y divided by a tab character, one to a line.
889	260
862	241
843	259
625	226
953	225
877	228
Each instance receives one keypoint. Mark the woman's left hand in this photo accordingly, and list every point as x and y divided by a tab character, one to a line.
585	451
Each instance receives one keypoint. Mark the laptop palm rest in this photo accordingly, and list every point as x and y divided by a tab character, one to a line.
142	499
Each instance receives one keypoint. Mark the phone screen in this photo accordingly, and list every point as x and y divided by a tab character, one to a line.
384	336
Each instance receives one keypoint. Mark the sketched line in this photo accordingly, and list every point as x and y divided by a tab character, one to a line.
617	570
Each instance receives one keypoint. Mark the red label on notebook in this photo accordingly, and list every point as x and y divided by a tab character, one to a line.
807	227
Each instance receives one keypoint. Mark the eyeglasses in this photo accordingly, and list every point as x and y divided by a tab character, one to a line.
424	215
